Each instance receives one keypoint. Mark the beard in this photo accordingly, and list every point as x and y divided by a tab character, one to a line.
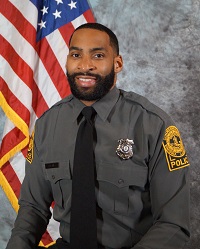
100	89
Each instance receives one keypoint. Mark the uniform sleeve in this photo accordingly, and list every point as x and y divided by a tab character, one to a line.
169	193
34	211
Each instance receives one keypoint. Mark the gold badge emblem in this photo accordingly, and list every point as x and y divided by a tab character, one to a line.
29	156
174	149
125	149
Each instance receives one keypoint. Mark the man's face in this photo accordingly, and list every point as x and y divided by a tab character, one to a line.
91	65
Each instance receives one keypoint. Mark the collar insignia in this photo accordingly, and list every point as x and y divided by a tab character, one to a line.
125	148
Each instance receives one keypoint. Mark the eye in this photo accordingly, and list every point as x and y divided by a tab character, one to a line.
99	55
75	55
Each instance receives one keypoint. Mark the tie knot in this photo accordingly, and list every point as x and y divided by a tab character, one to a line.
88	112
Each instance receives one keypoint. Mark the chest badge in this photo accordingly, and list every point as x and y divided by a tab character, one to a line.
125	148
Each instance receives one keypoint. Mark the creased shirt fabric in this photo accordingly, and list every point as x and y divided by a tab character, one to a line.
141	204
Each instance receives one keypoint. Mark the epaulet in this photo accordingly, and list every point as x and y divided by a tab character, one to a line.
65	100
135	97
145	104
62	101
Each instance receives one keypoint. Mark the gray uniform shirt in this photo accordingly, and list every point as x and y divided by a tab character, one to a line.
142	202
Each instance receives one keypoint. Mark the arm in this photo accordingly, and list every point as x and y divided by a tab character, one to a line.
169	193
34	213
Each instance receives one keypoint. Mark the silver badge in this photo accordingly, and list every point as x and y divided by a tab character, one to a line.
125	148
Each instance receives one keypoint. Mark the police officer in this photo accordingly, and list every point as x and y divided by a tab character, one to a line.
142	190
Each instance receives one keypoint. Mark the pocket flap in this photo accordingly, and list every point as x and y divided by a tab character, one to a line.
123	174
55	171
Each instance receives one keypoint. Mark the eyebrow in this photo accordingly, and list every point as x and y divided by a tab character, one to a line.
91	50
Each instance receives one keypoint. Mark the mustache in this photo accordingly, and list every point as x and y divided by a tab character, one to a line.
97	76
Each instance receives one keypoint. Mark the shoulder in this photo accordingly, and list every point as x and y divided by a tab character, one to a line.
48	120
145	105
55	108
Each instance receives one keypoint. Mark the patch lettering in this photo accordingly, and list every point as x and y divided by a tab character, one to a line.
174	149
29	156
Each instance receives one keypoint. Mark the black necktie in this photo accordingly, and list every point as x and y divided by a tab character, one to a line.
83	228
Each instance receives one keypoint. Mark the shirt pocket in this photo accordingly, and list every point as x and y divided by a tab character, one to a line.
59	176
121	186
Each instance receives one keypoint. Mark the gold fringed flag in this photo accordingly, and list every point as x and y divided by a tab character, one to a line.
34	45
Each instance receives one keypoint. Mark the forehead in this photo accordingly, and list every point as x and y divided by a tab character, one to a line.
90	38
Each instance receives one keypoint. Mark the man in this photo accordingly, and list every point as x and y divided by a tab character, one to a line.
142	189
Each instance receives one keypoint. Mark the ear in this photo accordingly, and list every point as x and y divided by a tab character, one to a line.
118	63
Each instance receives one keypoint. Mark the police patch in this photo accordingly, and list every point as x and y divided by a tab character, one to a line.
174	149
29	156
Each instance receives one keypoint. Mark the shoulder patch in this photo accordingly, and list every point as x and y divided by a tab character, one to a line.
174	149
29	156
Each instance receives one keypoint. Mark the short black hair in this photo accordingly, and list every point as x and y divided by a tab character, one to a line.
113	38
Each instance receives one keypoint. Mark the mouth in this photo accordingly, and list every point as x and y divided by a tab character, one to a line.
86	81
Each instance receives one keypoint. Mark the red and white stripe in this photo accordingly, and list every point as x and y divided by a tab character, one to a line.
32	80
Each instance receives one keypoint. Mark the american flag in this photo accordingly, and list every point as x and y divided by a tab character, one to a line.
33	49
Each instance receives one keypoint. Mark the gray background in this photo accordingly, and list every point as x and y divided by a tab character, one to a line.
160	44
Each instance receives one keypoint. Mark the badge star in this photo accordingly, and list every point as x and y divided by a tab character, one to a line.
57	14
42	24
59	1
44	10
72	4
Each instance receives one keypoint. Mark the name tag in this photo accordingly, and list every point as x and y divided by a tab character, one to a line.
51	165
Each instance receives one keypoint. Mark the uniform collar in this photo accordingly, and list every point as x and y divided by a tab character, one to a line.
103	106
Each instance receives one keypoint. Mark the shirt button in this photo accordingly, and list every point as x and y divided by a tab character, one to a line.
53	177
120	181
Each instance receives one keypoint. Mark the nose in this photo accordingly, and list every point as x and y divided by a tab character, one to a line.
86	64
